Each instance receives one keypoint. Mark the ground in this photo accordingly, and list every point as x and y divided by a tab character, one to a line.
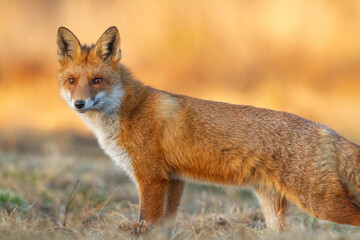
64	187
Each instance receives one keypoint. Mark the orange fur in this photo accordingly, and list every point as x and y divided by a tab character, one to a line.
172	138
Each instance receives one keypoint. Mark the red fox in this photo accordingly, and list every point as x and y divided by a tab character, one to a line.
162	139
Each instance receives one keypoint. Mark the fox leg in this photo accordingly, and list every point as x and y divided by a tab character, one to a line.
152	193
273	205
173	198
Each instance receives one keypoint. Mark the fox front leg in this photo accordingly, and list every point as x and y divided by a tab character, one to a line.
152	194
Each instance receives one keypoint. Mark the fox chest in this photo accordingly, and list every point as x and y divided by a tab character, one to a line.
106	130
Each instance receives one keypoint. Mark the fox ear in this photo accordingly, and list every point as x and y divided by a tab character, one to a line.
108	45
68	46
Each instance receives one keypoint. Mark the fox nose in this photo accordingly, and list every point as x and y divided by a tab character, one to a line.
79	104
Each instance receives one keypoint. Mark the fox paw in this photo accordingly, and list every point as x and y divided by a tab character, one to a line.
136	228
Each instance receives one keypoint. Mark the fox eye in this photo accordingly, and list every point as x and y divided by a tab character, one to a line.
71	81
97	81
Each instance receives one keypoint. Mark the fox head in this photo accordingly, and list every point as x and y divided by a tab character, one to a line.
89	77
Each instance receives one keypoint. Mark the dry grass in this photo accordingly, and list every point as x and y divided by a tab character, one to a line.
75	192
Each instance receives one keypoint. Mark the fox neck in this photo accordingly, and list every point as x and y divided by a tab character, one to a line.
134	93
106	128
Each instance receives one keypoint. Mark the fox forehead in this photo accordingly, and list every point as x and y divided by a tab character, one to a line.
86	71
87	55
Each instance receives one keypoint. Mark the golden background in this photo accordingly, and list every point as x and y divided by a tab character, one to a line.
297	56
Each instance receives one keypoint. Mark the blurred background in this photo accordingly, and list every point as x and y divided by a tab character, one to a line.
300	56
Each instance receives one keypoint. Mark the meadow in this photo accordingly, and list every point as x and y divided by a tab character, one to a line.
299	56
